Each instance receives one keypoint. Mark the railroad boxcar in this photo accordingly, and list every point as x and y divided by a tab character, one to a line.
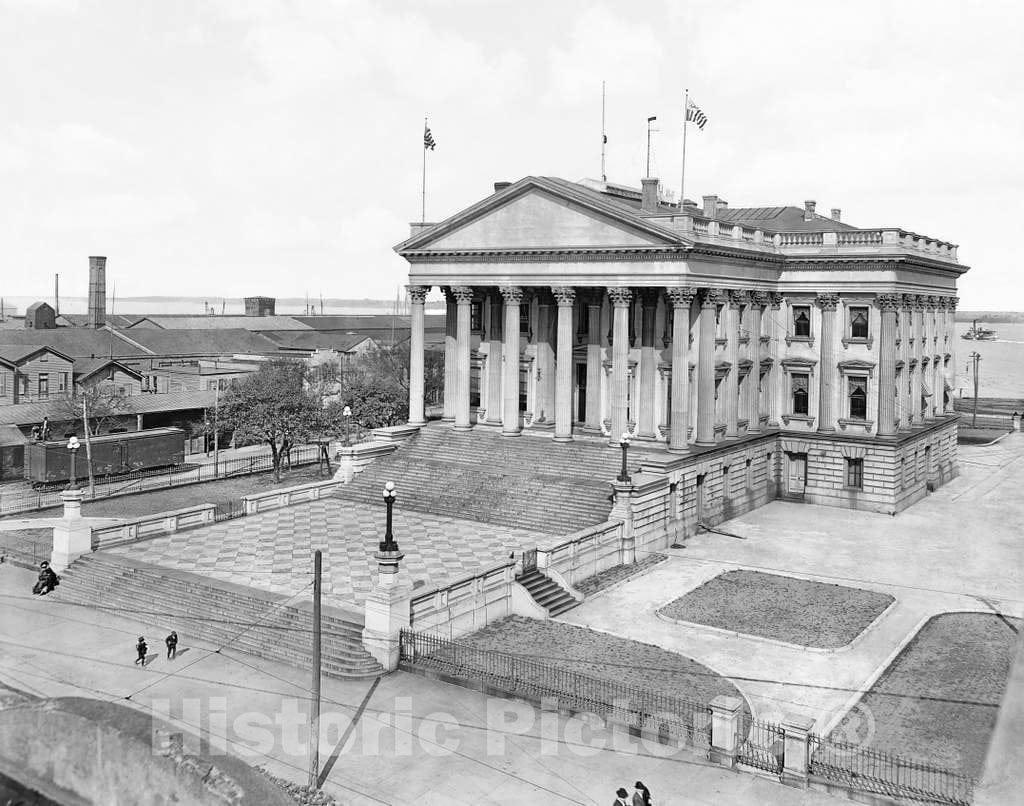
112	454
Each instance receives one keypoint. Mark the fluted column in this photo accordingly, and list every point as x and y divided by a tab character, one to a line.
709	299
495	349
932	345
731	385
774	374
513	296
758	300
906	411
449	356
544	339
594	370
917	351
648	364
463	301
951	349
418	297
564	297
681	299
826	362
887	392
620	298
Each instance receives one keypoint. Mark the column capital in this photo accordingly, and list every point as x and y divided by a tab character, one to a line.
620	296
889	302
463	294
929	302
913	302
512	294
711	297
952	302
775	298
564	295
738	296
827	301
759	298
418	293
680	296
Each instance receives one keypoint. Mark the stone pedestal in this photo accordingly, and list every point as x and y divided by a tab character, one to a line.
387	610
72	536
795	771
622	509
725	729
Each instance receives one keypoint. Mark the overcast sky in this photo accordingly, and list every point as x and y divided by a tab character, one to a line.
250	147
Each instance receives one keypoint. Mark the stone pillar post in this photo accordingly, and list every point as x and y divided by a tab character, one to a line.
72	535
888	304
797	758
758	300
709	299
594	370
622	509
621	298
418	297
681	299
463	300
450	356
495	349
725	729
917	354
906	355
387	610
646	426
951	349
510	385
826	362
773	390
565	297
931	350
731	384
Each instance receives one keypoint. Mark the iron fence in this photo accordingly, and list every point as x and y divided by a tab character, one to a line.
882	773
669	718
13	501
762	745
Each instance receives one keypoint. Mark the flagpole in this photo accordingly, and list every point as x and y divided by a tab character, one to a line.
686	118
604	136
423	214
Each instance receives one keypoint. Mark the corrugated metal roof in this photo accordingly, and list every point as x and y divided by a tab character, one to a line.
83	319
222	322
781	219
201	342
75	342
30	413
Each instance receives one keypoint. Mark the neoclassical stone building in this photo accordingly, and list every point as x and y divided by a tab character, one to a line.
768	351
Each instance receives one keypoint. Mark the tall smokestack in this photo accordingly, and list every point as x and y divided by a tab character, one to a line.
97	291
56	294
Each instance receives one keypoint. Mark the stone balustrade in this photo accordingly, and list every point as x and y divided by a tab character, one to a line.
160	523
584	553
287	496
466	604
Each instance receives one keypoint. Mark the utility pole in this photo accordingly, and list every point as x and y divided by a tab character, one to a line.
314	721
216	443
975	358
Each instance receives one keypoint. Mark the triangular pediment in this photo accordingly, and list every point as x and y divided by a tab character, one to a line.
538	215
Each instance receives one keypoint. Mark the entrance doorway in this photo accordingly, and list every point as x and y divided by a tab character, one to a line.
700	497
796	477
581	393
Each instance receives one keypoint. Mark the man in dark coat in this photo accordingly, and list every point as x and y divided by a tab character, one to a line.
172	645
141	649
46	581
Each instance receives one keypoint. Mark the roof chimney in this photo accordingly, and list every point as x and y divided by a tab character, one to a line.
649	195
836	214
97	291
722	205
498	186
710	205
809	210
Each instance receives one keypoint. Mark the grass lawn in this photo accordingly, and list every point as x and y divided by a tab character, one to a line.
966	435
798	611
606	657
598	582
937	701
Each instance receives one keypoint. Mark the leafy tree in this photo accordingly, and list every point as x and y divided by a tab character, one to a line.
374	404
387	370
95	408
273	406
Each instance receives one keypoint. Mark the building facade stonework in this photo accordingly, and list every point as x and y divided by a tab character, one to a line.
771	354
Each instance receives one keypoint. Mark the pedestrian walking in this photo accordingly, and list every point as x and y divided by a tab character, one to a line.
642	795
142	649
621	797
172	645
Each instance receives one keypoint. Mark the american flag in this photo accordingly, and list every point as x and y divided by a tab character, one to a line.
694	115
428	138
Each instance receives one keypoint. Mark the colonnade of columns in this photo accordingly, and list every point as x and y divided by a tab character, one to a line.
915	335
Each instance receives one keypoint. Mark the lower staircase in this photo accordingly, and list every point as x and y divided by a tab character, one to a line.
229	616
547	593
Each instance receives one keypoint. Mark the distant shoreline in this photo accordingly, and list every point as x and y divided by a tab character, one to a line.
990	316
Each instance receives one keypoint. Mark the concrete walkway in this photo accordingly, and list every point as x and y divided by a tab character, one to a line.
414	741
958	549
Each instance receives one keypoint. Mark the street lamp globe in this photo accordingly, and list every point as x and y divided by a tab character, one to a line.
346	412
624	439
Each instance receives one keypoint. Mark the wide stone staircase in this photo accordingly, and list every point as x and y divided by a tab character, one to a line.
526	482
229	616
547	593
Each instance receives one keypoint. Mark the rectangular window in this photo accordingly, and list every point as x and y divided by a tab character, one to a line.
3	384
857	392
476	316
855	473
802	321
799	385
24	385
63	382
524	318
858	323
44	385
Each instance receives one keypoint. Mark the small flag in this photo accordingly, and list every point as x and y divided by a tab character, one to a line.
694	115
428	138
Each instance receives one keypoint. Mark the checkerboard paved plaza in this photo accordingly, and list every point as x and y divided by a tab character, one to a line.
274	550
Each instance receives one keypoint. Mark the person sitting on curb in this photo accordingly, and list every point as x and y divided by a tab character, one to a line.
48	580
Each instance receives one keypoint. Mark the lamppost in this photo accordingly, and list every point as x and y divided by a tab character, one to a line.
389	543
73	445
347	414
624	442
975	357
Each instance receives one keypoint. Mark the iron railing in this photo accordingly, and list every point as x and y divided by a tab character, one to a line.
882	773
762	744
669	718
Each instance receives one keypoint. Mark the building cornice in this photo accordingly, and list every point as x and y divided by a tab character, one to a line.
547	255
